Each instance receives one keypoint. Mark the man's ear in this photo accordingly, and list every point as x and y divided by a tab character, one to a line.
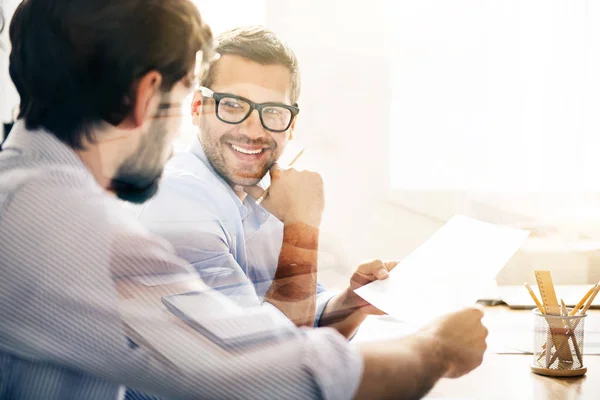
146	98
293	127
196	108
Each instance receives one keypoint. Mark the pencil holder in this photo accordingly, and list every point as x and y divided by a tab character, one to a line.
558	345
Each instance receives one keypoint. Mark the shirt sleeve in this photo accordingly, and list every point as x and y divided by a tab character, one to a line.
201	236
60	304
323	297
185	214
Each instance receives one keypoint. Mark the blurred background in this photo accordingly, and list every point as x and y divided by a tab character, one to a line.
416	110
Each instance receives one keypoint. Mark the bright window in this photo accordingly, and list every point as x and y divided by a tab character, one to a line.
495	95
223	15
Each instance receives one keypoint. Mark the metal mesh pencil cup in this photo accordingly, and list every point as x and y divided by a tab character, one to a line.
558	344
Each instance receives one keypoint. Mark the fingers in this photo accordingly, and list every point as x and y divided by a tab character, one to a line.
275	171
376	268
254	191
465	340
476	310
390	265
373	268
381	273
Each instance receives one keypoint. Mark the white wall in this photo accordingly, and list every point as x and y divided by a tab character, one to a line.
8	95
345	122
224	15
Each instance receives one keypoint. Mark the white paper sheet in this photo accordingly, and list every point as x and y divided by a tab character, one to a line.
446	272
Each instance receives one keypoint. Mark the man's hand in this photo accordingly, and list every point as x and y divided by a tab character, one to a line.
347	310
407	368
293	197
296	198
461	340
367	272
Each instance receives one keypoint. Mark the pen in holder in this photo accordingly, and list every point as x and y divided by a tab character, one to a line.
558	344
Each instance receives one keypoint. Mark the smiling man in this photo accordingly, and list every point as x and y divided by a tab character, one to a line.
261	251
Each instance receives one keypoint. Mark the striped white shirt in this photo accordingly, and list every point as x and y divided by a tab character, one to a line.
64	245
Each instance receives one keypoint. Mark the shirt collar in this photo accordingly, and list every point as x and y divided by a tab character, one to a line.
41	145
244	207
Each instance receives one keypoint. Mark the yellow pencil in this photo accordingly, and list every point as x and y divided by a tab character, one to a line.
583	300
590	300
570	334
296	158
563	308
535	299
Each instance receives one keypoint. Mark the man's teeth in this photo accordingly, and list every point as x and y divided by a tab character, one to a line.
242	150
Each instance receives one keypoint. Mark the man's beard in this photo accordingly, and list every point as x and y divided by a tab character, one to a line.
133	189
137	178
215	152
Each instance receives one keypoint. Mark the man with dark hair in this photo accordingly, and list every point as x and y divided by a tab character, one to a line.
71	99
101	85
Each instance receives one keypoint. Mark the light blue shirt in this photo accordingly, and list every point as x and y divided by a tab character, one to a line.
65	244
234	245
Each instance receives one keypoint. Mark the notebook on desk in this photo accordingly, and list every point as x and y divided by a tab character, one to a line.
516	296
227	324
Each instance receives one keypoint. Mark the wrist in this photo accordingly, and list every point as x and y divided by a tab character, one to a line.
344	303
434	351
301	235
311	219
342	314
351	301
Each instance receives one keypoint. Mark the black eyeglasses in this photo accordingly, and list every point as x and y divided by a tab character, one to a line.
232	109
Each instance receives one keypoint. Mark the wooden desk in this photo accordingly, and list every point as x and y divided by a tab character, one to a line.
501	376
507	376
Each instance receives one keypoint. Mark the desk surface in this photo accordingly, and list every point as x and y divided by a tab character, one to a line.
507	376
501	376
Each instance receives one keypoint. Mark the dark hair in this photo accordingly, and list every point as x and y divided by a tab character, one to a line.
76	62
258	44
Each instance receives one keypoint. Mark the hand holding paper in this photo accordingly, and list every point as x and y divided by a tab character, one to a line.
446	272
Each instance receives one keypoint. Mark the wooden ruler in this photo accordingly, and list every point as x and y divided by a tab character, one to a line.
557	328
546	287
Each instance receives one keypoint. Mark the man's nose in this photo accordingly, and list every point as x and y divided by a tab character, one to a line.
252	127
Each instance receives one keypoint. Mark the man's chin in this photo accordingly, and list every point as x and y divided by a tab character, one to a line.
134	193
245	181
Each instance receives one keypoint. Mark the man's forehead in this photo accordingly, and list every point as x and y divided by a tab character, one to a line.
238	75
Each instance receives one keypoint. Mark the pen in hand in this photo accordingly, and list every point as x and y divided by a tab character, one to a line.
266	192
